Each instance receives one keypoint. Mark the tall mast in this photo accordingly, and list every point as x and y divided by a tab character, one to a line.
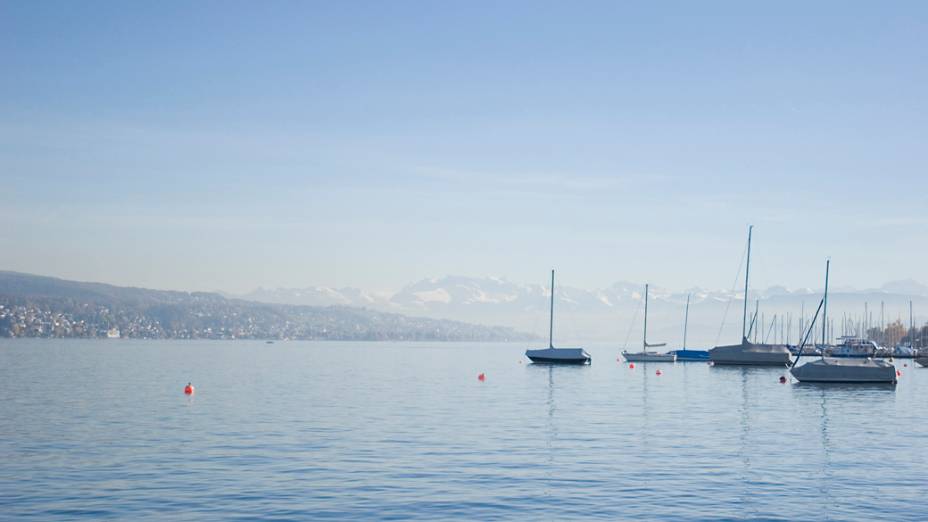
882	326
825	308
686	318
551	315
911	327
747	271
802	319
644	339
866	322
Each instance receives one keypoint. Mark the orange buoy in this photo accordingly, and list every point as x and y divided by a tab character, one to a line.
189	389
482	377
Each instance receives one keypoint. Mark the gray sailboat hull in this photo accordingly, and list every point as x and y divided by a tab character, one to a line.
559	356
846	370
750	354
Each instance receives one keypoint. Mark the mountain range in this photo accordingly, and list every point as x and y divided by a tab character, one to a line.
609	313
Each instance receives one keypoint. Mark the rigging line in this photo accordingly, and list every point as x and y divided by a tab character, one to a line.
631	326
770	330
731	295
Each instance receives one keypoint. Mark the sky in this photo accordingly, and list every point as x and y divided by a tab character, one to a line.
230	145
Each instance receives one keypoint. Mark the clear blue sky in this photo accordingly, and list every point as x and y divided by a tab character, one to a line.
226	145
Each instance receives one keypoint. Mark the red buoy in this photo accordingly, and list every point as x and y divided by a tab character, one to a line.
631	365
658	372
481	377
898	373
189	389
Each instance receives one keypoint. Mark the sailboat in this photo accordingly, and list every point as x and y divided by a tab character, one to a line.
841	369
747	353
644	355
552	355
689	355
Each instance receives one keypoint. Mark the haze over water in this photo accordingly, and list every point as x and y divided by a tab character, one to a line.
300	430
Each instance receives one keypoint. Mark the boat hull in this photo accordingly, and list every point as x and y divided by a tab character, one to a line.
846	370
649	357
559	356
922	361
691	355
750	354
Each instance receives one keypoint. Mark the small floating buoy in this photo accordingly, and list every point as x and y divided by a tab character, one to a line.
631	366
782	379
659	373
711	363
905	365
482	377
189	389
898	373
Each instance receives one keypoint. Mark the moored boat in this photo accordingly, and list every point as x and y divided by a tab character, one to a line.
852	346
748	353
851	370
846	370
552	355
644	355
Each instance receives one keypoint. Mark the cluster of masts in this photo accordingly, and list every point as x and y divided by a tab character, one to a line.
894	335
893	339
862	366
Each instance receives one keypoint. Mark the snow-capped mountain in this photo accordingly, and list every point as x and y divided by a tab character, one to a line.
610	313
905	286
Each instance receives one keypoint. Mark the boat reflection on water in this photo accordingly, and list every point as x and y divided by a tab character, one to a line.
551	423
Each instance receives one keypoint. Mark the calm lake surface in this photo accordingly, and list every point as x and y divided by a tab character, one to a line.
300	430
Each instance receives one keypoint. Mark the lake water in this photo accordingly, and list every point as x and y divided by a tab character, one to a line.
299	430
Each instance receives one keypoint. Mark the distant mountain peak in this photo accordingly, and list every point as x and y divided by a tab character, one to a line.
905	286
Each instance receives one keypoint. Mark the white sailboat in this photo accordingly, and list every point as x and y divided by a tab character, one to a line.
841	369
552	355
747	353
644	355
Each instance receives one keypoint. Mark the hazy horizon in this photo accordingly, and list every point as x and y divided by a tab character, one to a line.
222	146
